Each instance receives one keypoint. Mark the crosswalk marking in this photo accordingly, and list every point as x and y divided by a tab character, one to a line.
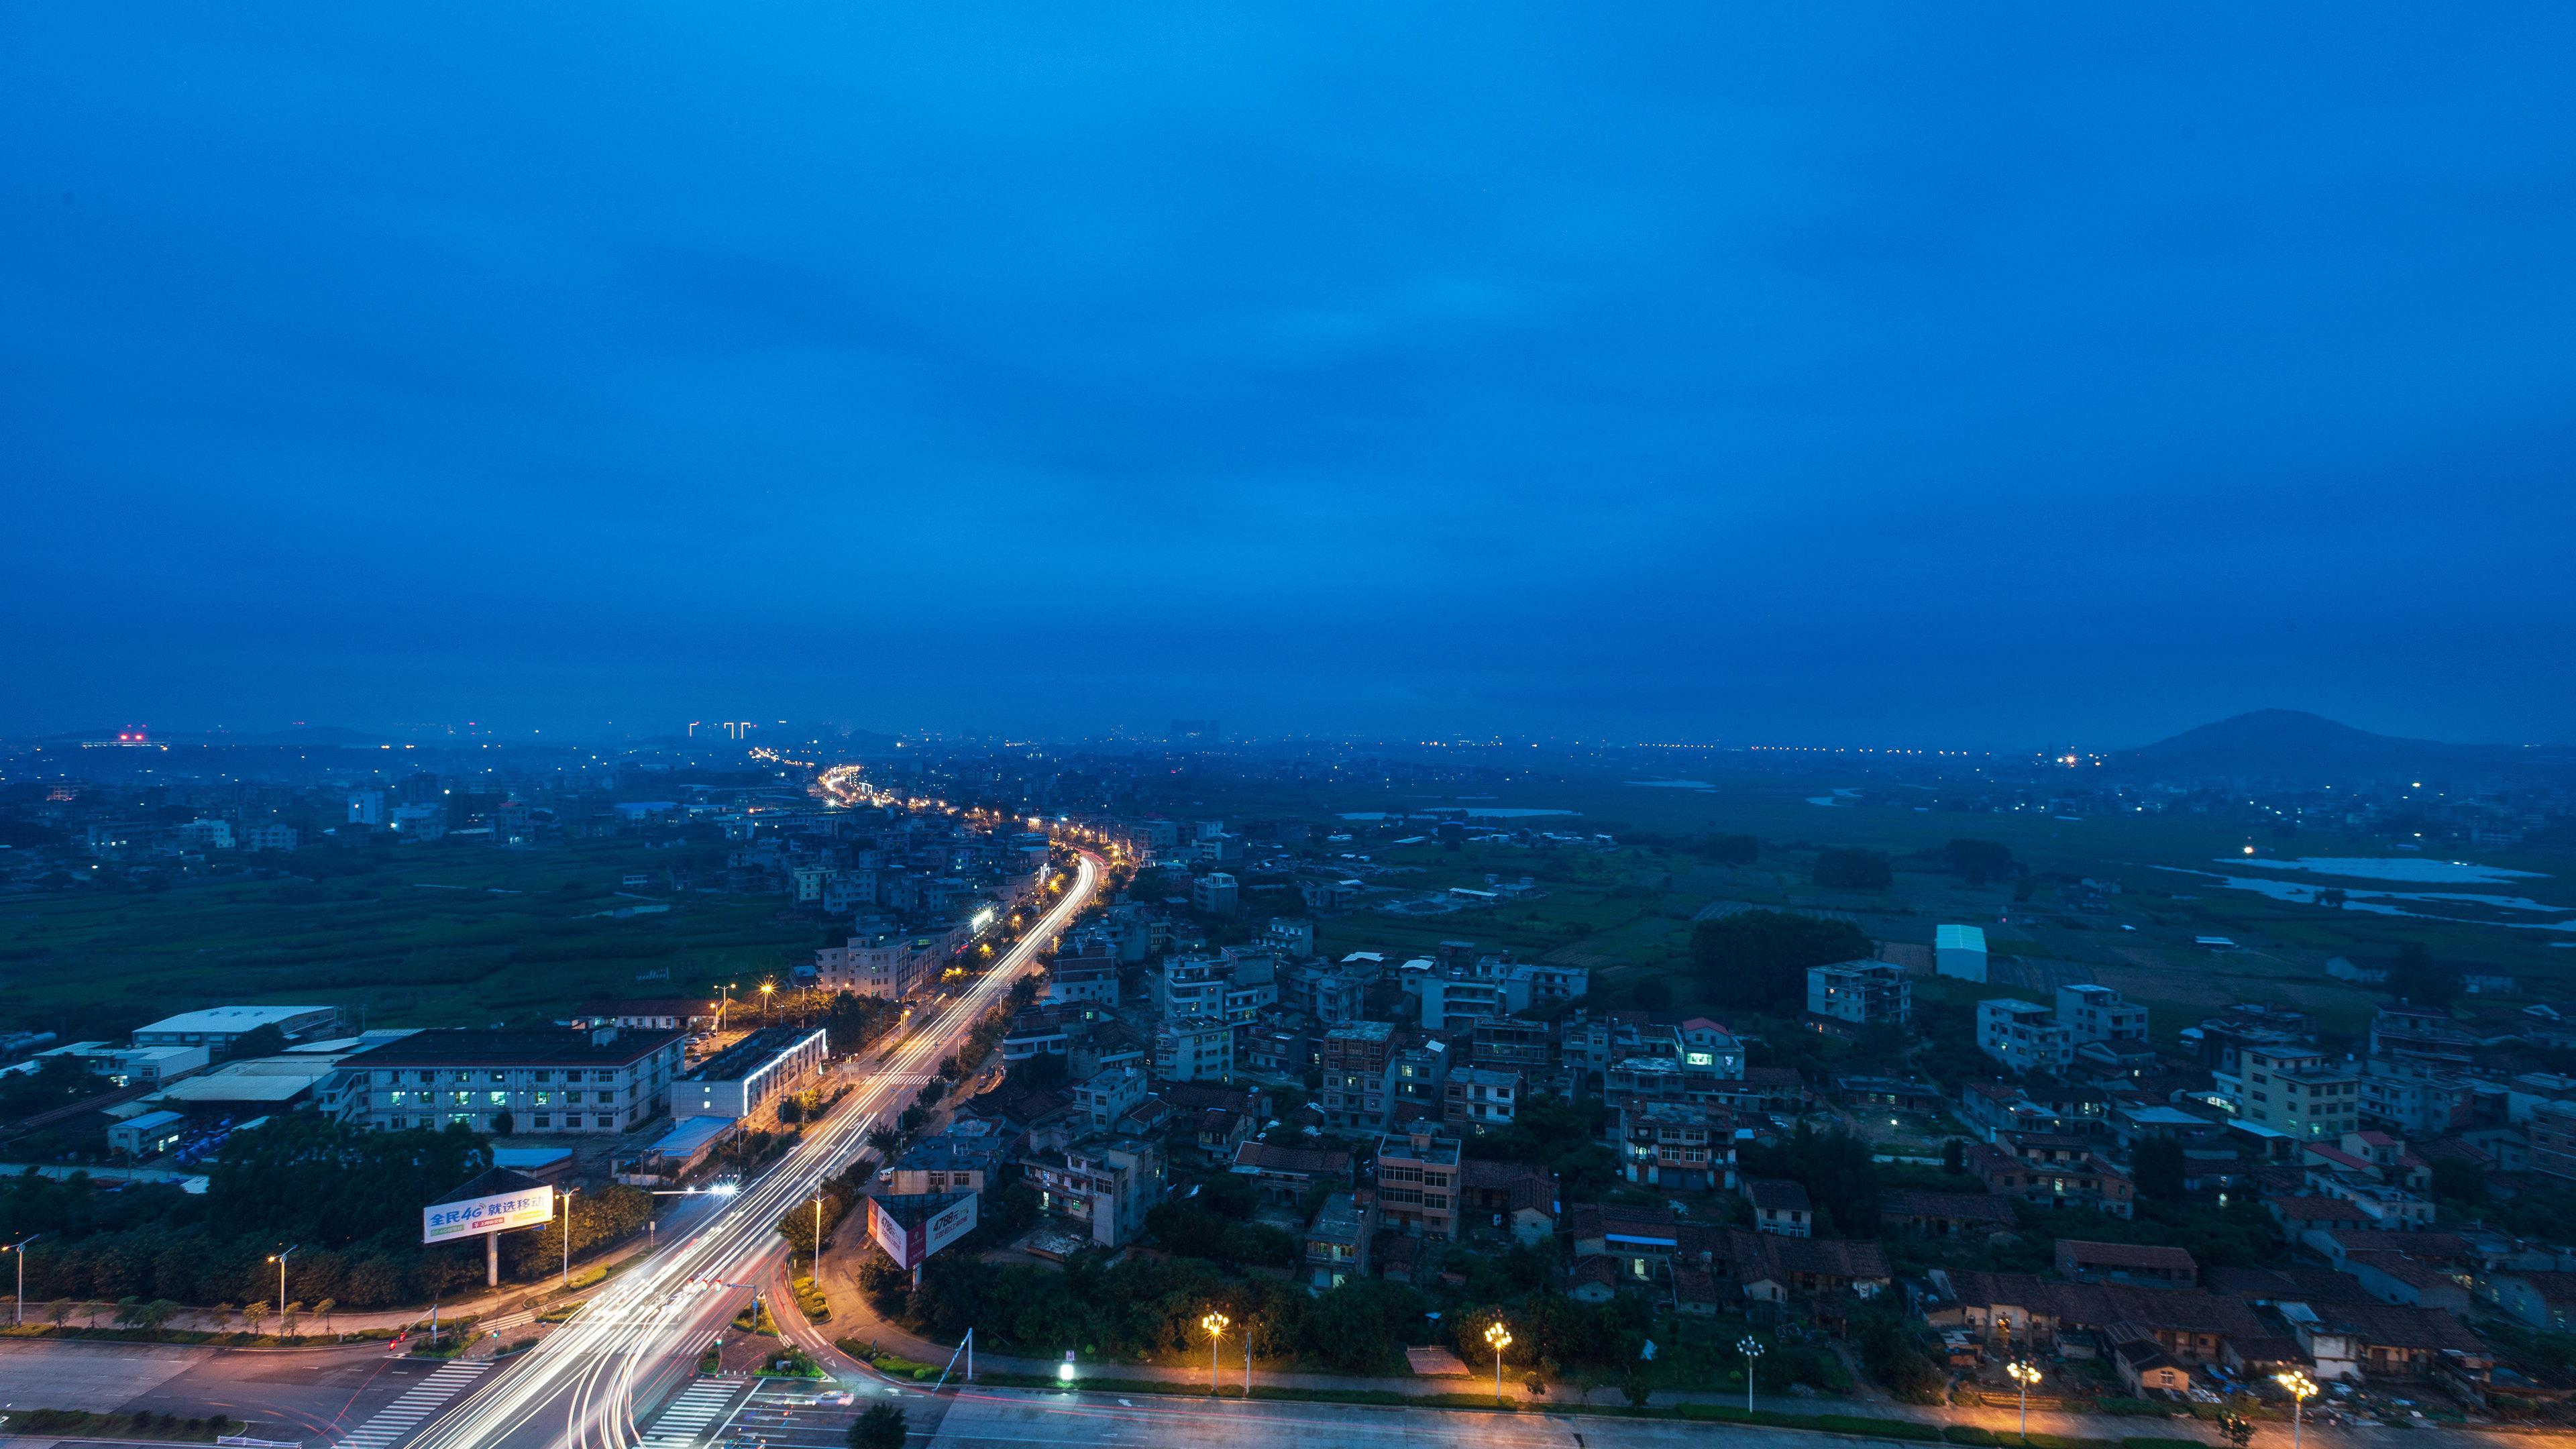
689	1416
398	1419
510	1321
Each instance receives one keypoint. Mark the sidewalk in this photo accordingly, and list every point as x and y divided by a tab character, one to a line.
853	1318
201	1320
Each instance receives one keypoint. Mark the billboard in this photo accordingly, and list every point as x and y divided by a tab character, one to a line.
912	1227
499	1213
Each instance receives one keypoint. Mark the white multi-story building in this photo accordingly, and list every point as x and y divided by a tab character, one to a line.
598	1082
1194	1049
2024	1035
2098	1013
1859	993
891	966
2296	1090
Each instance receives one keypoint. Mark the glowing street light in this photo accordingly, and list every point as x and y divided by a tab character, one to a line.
2024	1373
1751	1348
279	1258
1501	1338
2301	1388
19	1315
1215	1324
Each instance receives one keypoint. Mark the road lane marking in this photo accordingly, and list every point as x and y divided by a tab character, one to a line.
421	1401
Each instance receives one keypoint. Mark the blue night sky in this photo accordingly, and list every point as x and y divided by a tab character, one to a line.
1918	374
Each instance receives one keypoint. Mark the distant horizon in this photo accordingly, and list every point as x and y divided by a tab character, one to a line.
611	731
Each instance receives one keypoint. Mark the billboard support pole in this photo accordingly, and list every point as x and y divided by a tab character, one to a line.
491	1260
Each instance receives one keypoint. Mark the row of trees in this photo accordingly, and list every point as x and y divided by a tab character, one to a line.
350	1197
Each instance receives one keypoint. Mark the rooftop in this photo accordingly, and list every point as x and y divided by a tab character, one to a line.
753	1052
236	1019
465	1048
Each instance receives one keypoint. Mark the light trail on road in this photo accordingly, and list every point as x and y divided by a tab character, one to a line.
597	1362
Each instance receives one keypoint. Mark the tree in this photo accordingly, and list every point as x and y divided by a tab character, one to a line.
2421	979
221	1315
1954	1156
2460	1180
2238	1429
2157	1168
881	1427
323	1311
288	1317
59	1311
254	1313
503	1124
150	1316
264	1040
1759	959
1652	994
1853	870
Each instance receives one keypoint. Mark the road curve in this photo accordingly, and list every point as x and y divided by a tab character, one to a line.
586	1375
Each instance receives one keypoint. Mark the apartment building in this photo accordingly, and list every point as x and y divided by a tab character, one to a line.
1194	1049
1688	1145
1102	1185
543	1081
2098	1013
1417	1183
1356	1058
1849	995
2024	1035
2297	1091
1475	1098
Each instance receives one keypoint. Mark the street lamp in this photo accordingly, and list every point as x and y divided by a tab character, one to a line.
1499	1338
2024	1373
279	1258
767	989
567	1266
1751	1348
818	1240
2301	1388
19	1315
1215	1324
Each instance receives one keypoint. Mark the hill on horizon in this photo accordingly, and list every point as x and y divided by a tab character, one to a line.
2293	744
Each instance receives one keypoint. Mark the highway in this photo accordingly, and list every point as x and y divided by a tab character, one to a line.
639	1338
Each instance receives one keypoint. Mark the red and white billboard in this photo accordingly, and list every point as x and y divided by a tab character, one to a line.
911	1228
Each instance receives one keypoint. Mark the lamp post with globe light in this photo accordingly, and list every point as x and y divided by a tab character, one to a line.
2301	1388
1499	1338
1215	1324
1751	1348
2025	1373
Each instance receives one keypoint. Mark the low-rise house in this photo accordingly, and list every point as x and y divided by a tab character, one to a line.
1887	1094
1517	1198
2393	1277
1824	1273
2143	1364
1643	1242
2191	1324
1945	1214
1284	1175
2149	1264
2088	1181
2545	1300
1780	1206
1337	1242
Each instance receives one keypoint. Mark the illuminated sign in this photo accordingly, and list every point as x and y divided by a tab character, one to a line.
476	1216
911	1228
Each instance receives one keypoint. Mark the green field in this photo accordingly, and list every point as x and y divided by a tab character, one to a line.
1627	913
446	934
